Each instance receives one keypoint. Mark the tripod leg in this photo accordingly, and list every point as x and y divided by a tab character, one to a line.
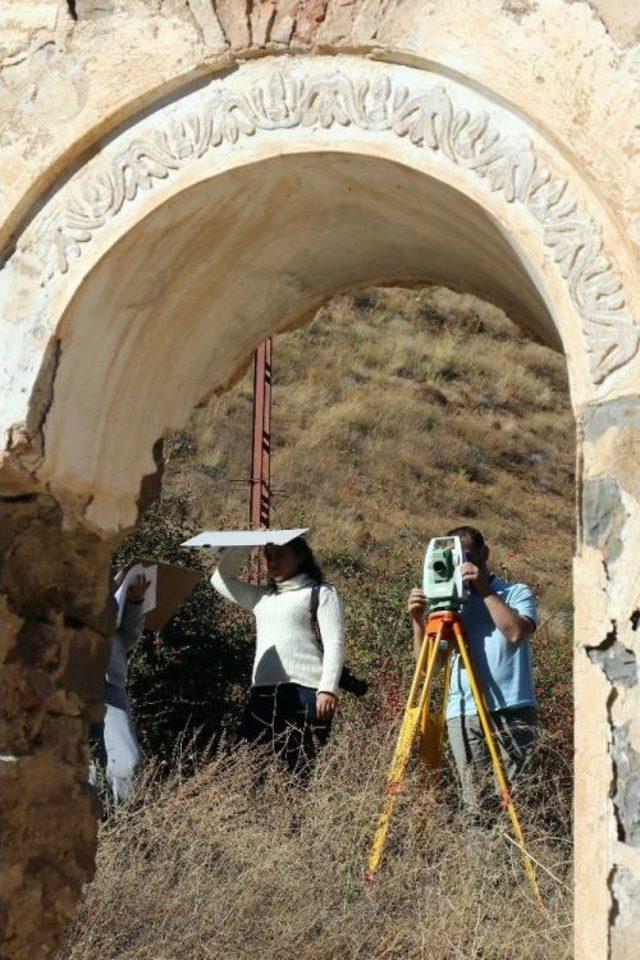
432	725
410	725
505	788
445	698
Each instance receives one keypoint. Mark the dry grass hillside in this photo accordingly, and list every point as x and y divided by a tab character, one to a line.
397	414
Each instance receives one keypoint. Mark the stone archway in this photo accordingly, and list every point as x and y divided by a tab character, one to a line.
145	269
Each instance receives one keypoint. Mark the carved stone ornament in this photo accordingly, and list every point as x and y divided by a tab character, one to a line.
429	120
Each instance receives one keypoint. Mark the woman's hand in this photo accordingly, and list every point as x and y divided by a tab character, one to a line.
417	605
326	704
137	590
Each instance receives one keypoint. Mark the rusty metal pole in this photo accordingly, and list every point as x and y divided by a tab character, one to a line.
260	504
260	483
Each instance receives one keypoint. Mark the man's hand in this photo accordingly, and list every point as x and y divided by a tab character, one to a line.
477	578
326	704
417	606
137	590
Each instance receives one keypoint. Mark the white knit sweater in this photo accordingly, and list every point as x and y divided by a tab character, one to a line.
287	650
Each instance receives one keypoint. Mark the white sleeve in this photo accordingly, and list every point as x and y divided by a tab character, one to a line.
228	585
332	631
132	624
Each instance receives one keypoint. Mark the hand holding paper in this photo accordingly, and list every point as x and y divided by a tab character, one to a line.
137	573
136	590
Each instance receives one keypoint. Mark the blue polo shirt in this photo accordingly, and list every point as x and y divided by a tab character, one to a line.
504	670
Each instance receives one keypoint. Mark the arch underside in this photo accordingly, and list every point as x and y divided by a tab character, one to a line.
235	210
175	308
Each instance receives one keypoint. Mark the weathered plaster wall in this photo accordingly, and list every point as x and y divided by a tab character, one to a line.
66	82
621	19
607	719
77	79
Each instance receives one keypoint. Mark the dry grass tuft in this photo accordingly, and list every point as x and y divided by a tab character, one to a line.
222	865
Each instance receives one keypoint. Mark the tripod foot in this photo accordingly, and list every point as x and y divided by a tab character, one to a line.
540	905
395	786
369	877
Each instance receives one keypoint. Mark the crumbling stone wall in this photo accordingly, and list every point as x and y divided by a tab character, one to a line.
53	585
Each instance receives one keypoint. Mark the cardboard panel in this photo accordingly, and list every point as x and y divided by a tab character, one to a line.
173	584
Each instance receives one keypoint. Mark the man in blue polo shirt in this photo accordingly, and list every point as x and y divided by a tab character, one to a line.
499	620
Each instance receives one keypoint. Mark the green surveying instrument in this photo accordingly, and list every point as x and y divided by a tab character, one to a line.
443	635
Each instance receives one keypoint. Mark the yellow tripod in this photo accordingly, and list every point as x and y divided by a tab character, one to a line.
442	626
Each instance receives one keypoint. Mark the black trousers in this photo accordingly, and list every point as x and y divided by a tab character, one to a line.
284	718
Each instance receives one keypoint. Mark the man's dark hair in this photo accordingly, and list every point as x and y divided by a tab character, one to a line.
472	533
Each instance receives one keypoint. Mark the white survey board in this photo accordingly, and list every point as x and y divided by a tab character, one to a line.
243	538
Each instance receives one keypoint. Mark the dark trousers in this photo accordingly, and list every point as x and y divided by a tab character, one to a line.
284	718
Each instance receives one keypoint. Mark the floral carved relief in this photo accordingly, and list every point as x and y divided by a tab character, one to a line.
429	120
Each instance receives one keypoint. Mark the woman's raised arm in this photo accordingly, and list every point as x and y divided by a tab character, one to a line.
227	583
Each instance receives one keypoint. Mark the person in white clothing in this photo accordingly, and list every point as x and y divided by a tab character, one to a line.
299	649
114	741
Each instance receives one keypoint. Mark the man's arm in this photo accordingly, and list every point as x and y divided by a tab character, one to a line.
512	624
417	610
418	637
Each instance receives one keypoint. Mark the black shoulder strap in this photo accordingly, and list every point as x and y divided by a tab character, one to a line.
315	600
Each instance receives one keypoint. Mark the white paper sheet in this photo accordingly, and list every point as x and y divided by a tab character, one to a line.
243	538
149	602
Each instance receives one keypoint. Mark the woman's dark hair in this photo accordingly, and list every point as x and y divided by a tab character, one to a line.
307	563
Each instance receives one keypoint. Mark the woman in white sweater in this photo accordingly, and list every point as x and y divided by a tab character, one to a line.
299	649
